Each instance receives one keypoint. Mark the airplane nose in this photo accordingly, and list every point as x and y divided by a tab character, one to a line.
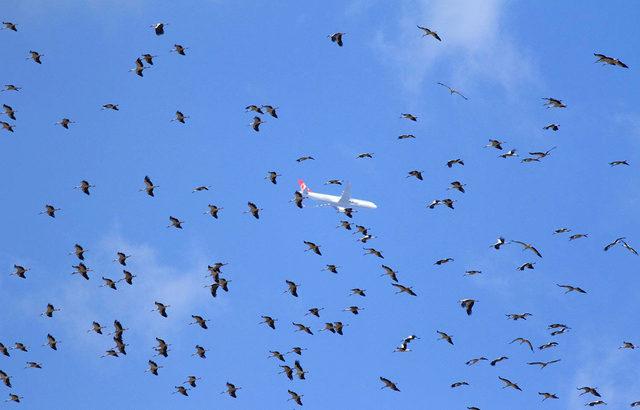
374	206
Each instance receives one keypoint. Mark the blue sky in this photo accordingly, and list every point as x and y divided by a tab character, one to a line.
334	103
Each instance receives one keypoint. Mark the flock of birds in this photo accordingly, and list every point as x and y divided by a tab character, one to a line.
220	283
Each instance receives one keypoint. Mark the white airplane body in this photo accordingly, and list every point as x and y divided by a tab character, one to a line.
340	203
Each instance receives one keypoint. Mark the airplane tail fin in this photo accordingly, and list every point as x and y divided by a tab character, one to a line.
303	187
346	195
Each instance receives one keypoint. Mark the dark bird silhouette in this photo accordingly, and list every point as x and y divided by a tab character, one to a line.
9	26
388	384
297	398
452	91
255	124
149	187
213	210
337	38
272	176
606	60
509	383
231	390
271	110
269	321
159	28
521	341
254	210
429	32
180	49
35	56
84	187
200	321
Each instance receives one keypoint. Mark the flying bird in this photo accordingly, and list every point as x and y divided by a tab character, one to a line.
35	56
554	103
253	108
543	364
476	360
231	390
297	398
110	106
509	383
468	304
213	210
409	117
253	210
9	26
457	185
444	336
11	87
498	360
337	38
606	60
404	289
180	117
578	236
148	58
548	396
302	328
312	247
255	124
159	28
388	384
180	49
305	158
9	111
50	210
499	242
175	223
429	32
272	176
590	390
271	110
269	321
521	341
149	187
200	321
416	174
453	162
153	367
139	68
65	122
161	308
571	288
452	91
495	144
292	288
20	271
617	163
528	246
6	126
518	316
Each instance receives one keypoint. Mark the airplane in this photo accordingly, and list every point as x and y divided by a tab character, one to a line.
340	203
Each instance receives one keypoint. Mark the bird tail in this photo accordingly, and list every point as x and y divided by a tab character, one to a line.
303	187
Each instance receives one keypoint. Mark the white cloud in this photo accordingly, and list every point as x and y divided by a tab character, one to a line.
181	287
609	370
474	44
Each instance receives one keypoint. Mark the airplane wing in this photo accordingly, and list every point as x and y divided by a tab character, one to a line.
346	195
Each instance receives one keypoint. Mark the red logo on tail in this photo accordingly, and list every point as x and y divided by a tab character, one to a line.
303	186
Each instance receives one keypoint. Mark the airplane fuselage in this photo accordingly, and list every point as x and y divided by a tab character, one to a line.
334	200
